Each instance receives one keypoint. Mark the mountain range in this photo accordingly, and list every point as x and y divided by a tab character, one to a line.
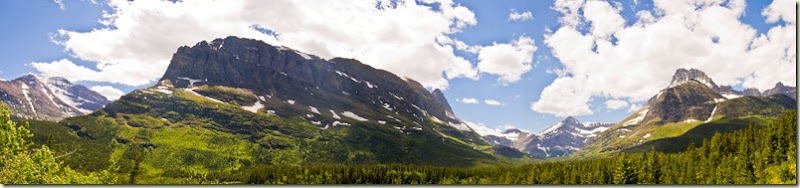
558	140
55	98
275	105
236	103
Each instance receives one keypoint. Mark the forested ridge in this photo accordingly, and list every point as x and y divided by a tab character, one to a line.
756	155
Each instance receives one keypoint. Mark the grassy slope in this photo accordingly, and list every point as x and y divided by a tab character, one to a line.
179	136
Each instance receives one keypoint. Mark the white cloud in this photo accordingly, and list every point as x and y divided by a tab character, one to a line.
516	16
509	60
73	72
468	100
60	4
484	130
785	10
615	104
141	36
634	107
109	92
702	34
492	102
605	19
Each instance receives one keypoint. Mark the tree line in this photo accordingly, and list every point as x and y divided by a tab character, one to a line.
755	155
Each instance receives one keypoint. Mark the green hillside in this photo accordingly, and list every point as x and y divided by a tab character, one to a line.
158	136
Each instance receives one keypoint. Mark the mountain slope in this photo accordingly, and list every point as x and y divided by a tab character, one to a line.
686	109
31	97
272	105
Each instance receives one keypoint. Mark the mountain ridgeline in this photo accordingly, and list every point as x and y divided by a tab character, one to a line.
55	98
561	139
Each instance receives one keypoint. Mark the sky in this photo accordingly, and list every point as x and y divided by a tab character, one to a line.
501	64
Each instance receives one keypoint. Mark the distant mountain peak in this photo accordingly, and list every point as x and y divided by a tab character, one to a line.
36	97
683	76
512	130
780	88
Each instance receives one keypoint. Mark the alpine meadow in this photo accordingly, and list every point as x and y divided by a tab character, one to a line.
423	92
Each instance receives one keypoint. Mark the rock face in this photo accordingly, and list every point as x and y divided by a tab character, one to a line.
781	89
682	76
330	86
558	140
30	97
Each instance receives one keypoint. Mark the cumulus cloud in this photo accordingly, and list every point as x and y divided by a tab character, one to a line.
484	130
781	9
73	72
508	60
468	100
140	37
109	92
516	16
702	34
634	107
492	102
615	104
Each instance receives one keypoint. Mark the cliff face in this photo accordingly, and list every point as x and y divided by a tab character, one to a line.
338	84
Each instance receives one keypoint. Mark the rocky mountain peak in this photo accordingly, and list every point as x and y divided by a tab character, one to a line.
331	86
780	88
682	76
441	99
509	131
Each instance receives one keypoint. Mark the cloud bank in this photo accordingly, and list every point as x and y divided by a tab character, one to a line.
614	60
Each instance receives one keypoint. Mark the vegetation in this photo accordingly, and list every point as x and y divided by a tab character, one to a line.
751	156
182	138
22	164
228	94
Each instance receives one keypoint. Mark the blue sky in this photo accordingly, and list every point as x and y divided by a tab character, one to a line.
31	34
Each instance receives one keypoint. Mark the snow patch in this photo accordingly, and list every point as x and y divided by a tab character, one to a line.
335	115
27	97
381	122
638	119
198	94
459	126
353	116
396	97
290	101
712	115
304	55
646	135
370	85
191	80
316	122
336	123
314	109
731	96
257	106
